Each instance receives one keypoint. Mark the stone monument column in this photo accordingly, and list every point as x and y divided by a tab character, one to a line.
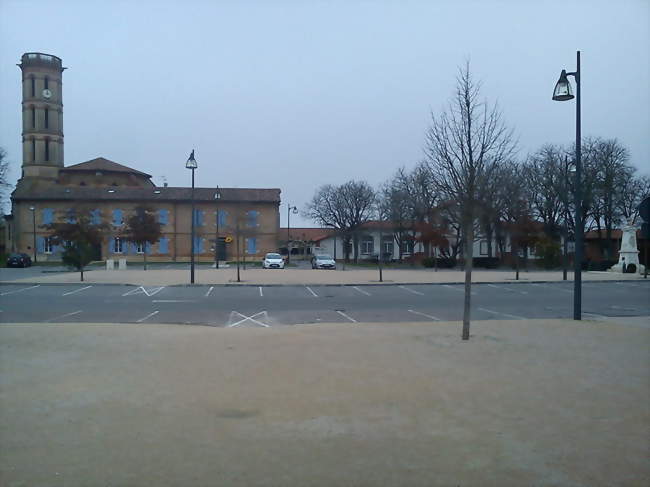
629	252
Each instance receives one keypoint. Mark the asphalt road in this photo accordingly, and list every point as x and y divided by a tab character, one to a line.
261	306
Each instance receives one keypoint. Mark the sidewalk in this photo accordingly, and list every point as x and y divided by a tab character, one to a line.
534	402
257	276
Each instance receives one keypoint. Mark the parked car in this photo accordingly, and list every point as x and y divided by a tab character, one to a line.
323	262
19	260
273	261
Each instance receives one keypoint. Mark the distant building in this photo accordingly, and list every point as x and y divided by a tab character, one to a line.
48	191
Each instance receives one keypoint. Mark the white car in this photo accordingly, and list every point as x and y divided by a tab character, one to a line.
273	261
323	262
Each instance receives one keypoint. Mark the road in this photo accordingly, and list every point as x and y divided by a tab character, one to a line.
262	306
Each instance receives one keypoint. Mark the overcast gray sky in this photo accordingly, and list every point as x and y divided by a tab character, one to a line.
294	95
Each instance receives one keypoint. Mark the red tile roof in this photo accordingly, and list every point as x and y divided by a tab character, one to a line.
102	164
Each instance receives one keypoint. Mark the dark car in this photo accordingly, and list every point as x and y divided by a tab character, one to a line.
19	260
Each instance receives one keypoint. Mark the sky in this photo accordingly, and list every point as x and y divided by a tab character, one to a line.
297	94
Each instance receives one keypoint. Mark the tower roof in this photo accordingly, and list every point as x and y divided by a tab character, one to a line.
102	164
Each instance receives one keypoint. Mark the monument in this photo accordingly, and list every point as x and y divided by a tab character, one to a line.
629	254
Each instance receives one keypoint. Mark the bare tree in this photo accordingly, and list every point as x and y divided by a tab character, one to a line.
345	208
4	176
465	146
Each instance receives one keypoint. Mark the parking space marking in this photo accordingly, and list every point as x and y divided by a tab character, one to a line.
361	291
20	290
261	292
423	314
546	286
63	316
76	291
631	284
346	316
310	290
209	291
411	290
502	314
250	318
596	316
142	290
456	289
509	289
148	316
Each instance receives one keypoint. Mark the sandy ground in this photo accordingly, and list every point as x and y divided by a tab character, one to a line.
544	403
168	277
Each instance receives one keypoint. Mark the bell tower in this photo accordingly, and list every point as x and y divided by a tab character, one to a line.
42	115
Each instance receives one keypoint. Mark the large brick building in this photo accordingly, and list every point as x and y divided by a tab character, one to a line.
48	191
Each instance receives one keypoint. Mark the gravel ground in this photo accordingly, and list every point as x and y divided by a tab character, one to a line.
536	402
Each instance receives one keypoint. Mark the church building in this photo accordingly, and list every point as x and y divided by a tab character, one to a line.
49	191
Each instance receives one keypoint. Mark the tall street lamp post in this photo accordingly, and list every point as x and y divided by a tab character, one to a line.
290	209
191	164
217	197
563	92
33	210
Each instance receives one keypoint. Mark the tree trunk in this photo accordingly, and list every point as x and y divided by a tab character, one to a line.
469	235
82	273
144	255
238	259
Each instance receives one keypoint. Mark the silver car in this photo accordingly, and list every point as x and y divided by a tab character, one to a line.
323	262
273	261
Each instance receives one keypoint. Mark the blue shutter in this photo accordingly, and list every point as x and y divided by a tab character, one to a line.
251	244
163	217
251	217
111	250
40	244
223	218
48	216
200	218
117	217
201	245
95	217
147	248
162	245
198	245
71	216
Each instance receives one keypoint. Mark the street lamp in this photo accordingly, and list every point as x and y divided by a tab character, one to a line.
290	209
217	197
563	92
33	210
191	164
568	168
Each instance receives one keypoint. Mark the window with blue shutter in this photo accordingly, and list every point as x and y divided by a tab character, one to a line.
95	217
198	245
147	248
251	218
71	218
162	245
251	245
198	218
117	217
222	216
48	216
40	245
163	217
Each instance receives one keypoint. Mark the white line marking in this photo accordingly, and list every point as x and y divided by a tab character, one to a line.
346	316
552	287
63	316
148	316
423	314
411	290
502	314
361	291
76	291
142	290
20	290
597	316
209	291
309	289
249	318
630	284
173	300
261	293
456	289
509	289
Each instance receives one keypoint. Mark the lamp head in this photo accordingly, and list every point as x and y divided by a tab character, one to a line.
294	210
562	91
191	162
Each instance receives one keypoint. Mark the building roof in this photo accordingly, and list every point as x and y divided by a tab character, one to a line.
307	234
102	164
150	194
